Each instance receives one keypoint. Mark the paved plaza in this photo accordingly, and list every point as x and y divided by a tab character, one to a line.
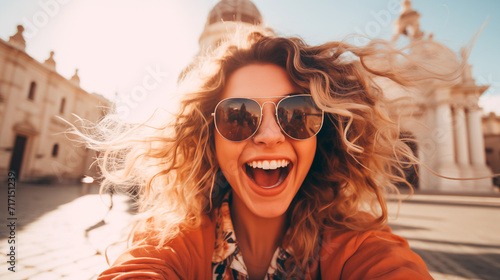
62	233
458	236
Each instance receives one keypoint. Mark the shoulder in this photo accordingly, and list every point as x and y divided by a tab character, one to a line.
374	254
172	261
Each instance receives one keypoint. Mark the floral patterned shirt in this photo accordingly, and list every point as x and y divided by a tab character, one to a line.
227	260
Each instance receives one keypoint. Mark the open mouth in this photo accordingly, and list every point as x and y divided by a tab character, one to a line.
268	174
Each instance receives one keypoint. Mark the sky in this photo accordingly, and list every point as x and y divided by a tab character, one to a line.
132	51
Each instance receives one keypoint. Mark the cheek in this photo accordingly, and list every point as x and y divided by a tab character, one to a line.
227	154
305	153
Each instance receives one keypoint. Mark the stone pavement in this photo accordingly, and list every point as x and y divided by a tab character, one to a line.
51	238
457	236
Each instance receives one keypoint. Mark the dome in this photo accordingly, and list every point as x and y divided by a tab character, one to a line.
235	10
435	56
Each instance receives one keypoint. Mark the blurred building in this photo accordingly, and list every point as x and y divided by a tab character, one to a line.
224	19
443	117
491	128
32	98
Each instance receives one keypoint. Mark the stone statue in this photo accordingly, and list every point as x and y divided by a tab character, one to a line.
17	39
408	23
75	79
50	62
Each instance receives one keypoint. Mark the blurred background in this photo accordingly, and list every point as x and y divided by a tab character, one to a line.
68	58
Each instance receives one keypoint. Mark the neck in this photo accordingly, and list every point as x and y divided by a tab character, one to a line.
257	236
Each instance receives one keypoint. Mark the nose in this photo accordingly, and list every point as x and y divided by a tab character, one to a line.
269	132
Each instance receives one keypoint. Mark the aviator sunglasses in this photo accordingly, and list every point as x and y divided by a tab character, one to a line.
238	119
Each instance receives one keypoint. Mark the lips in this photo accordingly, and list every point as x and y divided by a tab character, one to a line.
268	174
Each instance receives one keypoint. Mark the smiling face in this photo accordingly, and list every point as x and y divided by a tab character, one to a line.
265	171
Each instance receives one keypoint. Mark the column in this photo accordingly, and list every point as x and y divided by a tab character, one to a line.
477	153
446	147
476	141
445	150
462	145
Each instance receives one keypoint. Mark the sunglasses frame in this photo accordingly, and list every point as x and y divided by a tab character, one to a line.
276	106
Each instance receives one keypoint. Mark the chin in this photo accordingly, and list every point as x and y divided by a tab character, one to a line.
270	211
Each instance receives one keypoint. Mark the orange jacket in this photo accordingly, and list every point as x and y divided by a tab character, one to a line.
343	255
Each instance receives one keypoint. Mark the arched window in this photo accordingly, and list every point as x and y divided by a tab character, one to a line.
63	104
31	94
55	150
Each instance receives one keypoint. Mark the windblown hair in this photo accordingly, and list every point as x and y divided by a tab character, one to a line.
359	154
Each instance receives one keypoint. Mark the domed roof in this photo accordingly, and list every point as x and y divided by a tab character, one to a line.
433	53
436	58
235	10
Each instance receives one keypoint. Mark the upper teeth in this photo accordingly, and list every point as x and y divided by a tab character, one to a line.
268	164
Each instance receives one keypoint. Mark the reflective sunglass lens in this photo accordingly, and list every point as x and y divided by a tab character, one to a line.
299	117
237	119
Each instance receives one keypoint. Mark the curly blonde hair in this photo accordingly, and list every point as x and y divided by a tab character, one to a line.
359	154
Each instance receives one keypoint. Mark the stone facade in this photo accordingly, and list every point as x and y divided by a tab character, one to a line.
32	98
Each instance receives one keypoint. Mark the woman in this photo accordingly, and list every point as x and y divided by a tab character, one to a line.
275	168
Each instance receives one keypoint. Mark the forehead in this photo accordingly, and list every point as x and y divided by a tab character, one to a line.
259	80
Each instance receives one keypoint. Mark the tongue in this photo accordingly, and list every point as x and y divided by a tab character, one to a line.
266	178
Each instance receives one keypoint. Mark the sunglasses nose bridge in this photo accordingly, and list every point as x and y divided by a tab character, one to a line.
268	102
269	130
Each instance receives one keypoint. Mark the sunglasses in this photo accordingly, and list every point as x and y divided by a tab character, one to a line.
238	119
